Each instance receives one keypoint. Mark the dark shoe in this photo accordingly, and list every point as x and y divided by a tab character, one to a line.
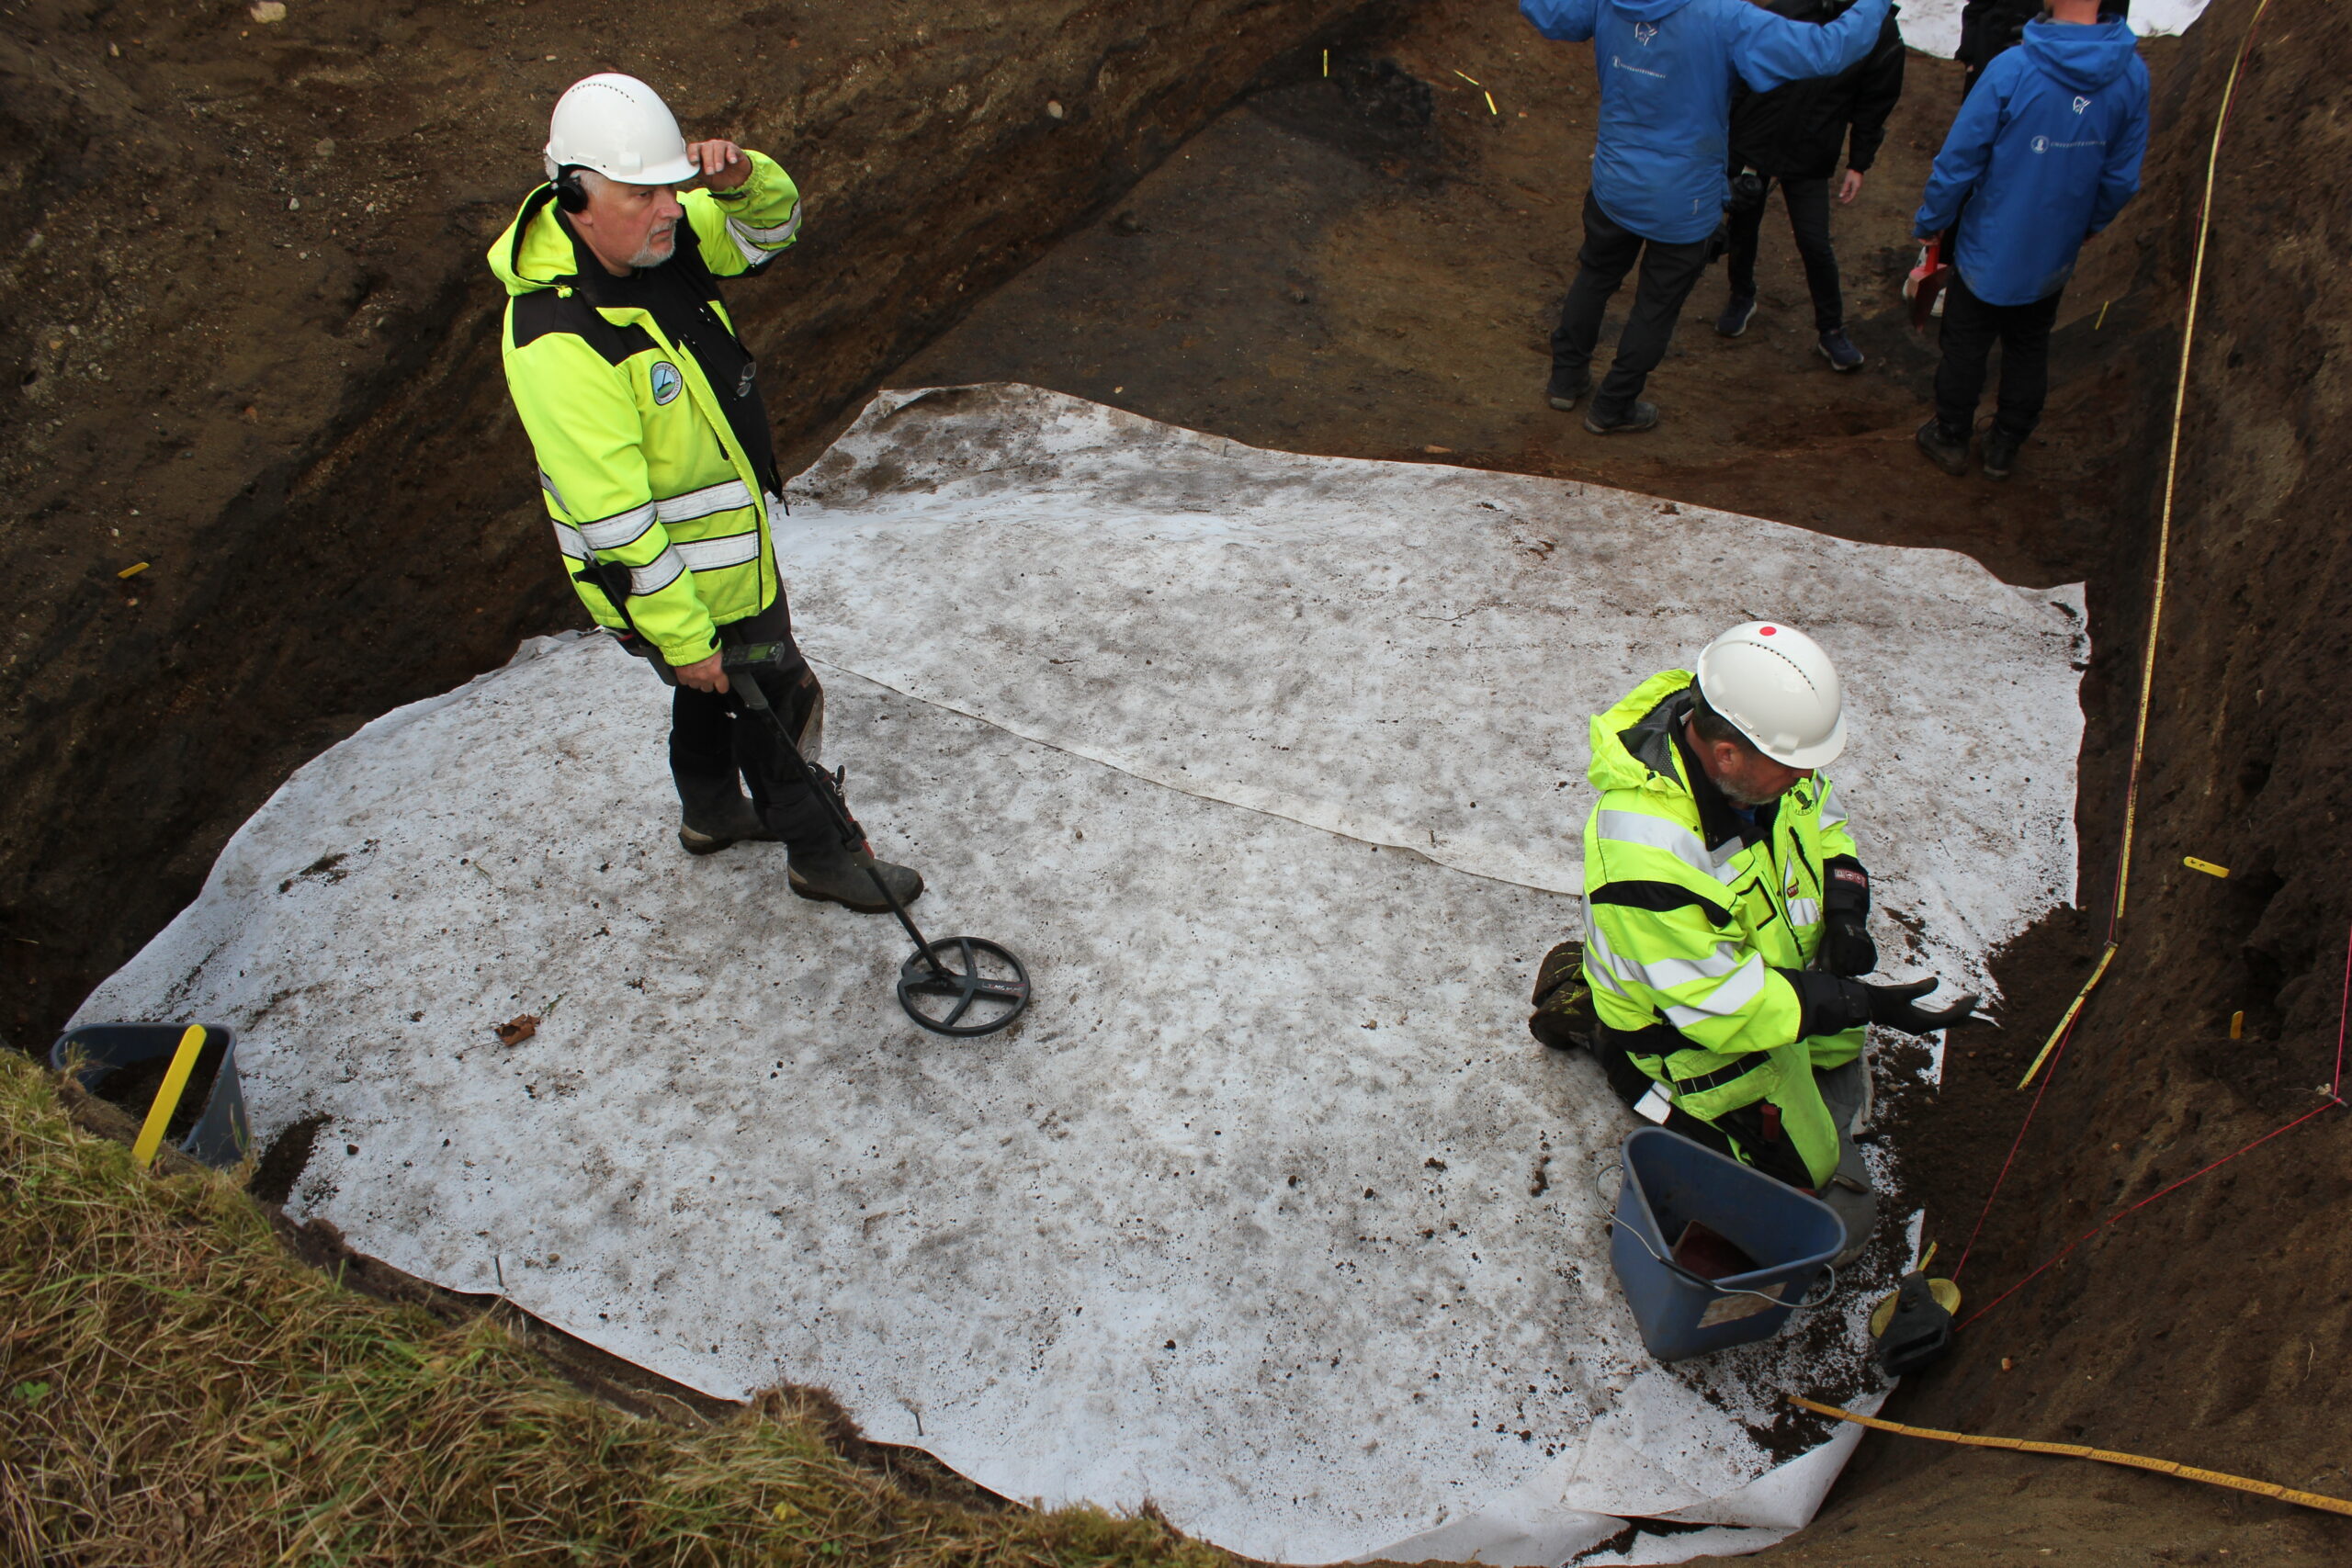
831	874
1944	449
2000	452
1567	400
1733	320
710	820
1563	1018
1840	351
1640	417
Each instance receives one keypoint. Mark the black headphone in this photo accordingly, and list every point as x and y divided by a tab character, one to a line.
569	194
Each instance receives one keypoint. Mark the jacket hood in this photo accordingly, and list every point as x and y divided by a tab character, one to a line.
1647	10
1632	741
2082	56
534	252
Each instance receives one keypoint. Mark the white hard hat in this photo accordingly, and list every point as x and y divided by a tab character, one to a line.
620	128
1777	688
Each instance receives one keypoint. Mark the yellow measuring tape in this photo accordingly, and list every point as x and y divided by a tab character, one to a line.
167	1096
2164	552
2077	1450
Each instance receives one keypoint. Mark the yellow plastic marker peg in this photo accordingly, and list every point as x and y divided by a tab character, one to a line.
2207	866
167	1098
2237	1024
132	570
1490	106
1326	62
1467	77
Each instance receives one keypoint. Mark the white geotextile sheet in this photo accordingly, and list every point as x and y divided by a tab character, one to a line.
1271	1212
1932	27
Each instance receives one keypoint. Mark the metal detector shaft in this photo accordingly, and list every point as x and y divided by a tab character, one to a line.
740	678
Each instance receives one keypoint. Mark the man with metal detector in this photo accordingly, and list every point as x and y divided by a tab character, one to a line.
1726	918
658	464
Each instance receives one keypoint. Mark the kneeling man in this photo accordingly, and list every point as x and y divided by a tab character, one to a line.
1726	916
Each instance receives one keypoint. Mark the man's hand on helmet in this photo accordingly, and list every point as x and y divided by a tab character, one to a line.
722	164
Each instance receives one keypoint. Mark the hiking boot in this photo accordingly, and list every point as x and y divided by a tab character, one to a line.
1566	399
1733	320
713	817
831	874
2000	452
1563	1019
1640	417
1946	449
1837	348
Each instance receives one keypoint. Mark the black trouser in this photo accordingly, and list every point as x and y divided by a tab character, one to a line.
1808	205
1743	1135
1668	273
1971	328
713	738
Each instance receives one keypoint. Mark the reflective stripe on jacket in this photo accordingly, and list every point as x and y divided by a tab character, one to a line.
1687	912
637	461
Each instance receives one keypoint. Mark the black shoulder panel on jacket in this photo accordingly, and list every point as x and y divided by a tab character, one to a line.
543	311
1639	895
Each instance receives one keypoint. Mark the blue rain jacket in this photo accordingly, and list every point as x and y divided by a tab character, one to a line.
2044	153
1660	155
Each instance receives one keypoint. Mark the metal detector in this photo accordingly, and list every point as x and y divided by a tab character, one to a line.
959	984
962	986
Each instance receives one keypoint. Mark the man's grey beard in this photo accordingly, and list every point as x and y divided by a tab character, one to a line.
1742	799
656	251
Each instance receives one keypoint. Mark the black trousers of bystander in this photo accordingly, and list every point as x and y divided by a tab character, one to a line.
1970	330
1610	250
1808	205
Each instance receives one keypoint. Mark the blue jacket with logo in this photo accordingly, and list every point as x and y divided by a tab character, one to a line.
2044	153
1666	66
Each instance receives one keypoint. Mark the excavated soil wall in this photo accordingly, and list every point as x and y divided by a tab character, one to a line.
253	345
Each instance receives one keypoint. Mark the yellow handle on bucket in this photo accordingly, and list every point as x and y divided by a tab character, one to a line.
167	1096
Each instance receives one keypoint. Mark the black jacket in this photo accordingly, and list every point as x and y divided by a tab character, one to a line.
1797	131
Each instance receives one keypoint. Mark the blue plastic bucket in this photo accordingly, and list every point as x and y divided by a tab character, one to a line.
1670	1183
220	1136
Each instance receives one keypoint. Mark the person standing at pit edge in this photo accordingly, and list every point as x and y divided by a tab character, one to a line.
1726	917
1793	135
2044	153
1659	152
655	456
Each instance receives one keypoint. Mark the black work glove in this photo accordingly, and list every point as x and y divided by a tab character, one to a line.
1833	1004
1846	944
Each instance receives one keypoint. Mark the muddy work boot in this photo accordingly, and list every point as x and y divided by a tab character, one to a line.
2000	452
831	874
1947	449
1565	398
1563	1018
713	816
1633	422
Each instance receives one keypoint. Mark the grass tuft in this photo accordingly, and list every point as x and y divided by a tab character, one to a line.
176	1389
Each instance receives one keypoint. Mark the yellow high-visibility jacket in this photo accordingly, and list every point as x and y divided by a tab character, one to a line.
637	461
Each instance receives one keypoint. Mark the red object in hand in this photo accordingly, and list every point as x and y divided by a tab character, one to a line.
1927	282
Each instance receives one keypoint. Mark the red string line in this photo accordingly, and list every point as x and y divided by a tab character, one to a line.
2059	1255
1985	1213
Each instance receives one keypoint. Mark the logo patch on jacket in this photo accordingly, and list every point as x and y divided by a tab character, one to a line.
666	382
1644	32
2081	104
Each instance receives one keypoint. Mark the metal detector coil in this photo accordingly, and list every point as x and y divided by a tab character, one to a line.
961	986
